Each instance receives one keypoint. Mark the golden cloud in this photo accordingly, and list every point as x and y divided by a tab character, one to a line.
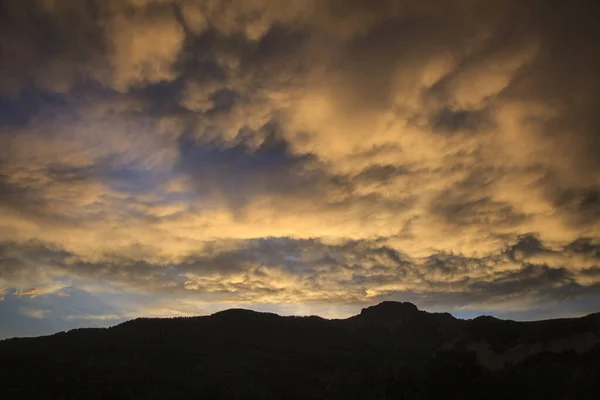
156	152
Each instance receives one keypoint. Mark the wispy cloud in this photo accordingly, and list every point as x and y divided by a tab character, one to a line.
35	313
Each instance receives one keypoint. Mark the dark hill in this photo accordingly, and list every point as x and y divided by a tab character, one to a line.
391	350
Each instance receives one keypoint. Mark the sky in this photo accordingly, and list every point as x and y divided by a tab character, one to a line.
164	158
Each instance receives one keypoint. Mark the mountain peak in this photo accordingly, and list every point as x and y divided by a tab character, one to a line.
391	308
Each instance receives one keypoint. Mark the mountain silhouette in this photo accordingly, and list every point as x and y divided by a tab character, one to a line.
389	351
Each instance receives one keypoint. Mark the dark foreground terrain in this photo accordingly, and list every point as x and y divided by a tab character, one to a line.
389	351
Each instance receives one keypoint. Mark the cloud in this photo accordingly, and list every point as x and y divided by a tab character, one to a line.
285	270
34	313
316	152
145	44
29	292
38	45
102	317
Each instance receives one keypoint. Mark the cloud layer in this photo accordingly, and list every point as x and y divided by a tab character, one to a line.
318	155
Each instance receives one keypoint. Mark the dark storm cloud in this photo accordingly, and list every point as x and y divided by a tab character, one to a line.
583	204
528	278
450	121
526	245
16	196
382	173
476	212
17	260
38	44
565	73
31	101
239	173
585	246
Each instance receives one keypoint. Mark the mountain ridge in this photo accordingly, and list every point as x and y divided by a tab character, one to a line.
377	312
240	353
